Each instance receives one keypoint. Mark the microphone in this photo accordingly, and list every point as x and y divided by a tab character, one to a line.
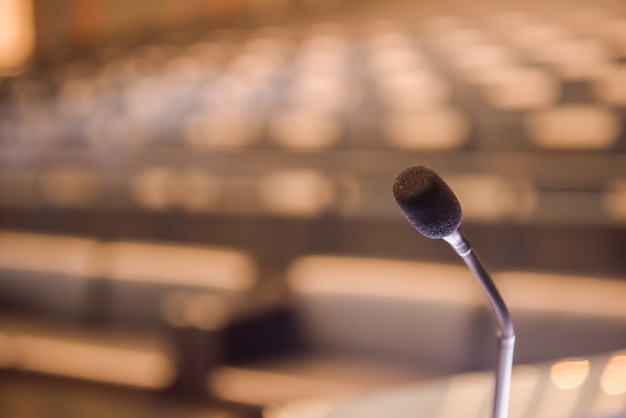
431	207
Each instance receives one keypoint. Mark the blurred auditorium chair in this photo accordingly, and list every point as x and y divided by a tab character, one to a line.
142	277
47	274
574	127
363	323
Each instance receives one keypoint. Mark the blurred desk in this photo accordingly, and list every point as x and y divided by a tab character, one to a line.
575	387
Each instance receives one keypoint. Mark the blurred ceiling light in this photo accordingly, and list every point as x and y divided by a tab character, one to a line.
180	265
261	387
396	279
108	363
69	188
614	199
298	192
520	88
542	292
305	129
17	35
569	374
584	127
436	129
407	91
48	254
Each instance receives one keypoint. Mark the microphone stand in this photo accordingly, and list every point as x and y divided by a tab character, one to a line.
505	334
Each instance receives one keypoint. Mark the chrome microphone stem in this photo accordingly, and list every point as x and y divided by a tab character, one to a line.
505	334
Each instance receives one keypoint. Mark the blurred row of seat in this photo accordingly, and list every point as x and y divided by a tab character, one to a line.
590	127
353	322
421	86
302	193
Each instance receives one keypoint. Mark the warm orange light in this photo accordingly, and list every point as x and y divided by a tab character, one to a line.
396	279
564	294
49	254
574	126
17	34
569	374
296	192
613	380
216	268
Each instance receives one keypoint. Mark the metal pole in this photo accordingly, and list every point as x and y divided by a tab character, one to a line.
505	334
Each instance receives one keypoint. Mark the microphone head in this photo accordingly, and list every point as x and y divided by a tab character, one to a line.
427	202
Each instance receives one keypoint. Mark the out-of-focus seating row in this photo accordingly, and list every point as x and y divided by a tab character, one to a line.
350	323
421	83
129	282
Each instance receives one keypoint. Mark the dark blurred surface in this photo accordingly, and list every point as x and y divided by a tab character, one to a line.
166	166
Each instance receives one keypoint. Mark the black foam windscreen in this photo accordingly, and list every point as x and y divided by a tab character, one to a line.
427	202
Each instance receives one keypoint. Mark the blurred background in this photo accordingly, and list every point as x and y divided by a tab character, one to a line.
196	217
